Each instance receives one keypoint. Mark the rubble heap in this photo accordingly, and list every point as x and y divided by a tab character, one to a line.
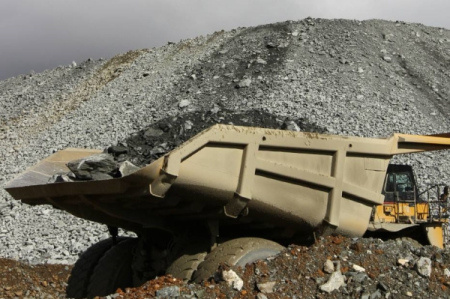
334	267
154	141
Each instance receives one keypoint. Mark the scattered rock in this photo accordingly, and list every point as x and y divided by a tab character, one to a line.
402	262
358	268
127	168
266	287
97	167
153	132
59	178
232	279
188	125
184	103
168	292
244	83
117	150
328	266
360	277
424	266
335	281
261	296
376	295
290	125
261	61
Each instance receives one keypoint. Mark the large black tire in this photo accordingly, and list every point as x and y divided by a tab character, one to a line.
187	262
113	270
237	252
81	273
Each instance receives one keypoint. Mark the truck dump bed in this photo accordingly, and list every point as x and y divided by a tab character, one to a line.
300	182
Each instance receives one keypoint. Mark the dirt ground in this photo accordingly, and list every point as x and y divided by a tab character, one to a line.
20	280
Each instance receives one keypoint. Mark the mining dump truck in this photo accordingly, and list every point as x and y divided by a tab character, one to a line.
228	195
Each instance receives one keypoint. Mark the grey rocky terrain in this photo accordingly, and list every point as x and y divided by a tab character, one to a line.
334	267
345	77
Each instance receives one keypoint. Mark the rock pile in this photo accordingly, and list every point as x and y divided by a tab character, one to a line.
346	77
95	167
334	267
151	142
159	138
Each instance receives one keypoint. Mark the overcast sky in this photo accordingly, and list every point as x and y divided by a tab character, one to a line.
41	34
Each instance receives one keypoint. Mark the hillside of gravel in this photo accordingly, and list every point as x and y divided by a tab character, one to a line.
368	78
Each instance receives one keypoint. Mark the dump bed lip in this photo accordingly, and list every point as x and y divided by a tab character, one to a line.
62	189
41	189
41	172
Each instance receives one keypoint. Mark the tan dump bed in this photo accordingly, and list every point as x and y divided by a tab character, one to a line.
299	181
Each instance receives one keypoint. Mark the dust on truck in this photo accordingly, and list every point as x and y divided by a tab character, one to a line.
230	194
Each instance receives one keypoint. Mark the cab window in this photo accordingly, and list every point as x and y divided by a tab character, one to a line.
400	182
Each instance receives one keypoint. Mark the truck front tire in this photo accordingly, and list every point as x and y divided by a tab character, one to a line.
84	267
113	270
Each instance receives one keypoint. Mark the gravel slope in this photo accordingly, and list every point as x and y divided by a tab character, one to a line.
354	78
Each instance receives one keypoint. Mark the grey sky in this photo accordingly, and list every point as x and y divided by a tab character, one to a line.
37	35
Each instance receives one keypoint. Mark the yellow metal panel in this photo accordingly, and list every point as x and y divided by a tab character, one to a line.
435	235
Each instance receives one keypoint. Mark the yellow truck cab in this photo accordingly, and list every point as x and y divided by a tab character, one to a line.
406	212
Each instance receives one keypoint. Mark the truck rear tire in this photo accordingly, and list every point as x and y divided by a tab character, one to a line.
187	262
113	270
236	252
81	273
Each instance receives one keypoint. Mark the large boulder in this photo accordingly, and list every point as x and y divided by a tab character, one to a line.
95	167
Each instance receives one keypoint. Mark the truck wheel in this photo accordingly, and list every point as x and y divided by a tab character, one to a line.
237	252
187	262
113	270
83	268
